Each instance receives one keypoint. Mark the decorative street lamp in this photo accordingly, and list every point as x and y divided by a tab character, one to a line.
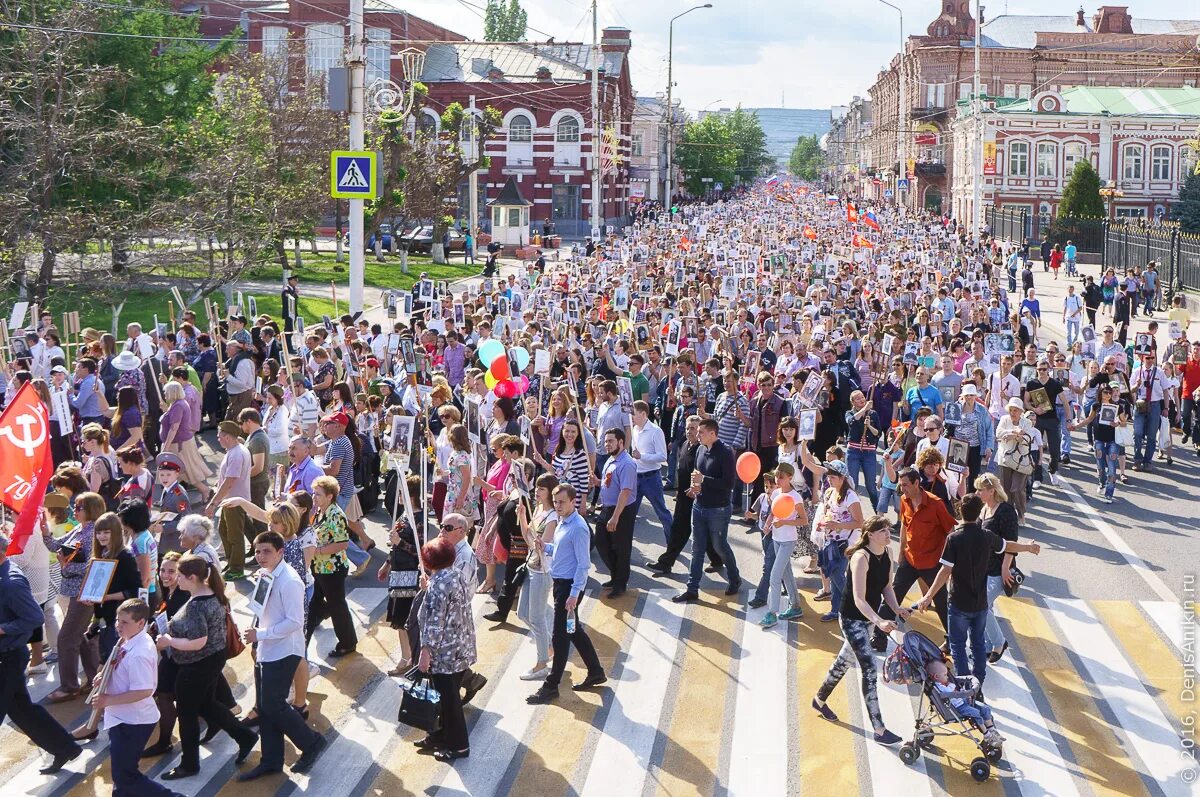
1110	192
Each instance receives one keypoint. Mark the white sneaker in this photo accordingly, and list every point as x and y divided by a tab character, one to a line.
1108	499
1100	490
536	675
36	669
1054	480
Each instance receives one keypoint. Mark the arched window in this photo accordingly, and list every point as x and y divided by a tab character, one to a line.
1131	159
427	123
1018	159
1073	152
1160	162
520	129
568	130
1047	159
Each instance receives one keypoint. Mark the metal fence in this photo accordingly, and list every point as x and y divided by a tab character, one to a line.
1121	245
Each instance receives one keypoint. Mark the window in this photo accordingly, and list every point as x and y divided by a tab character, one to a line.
1188	159
637	144
1073	152
323	48
1047	157
1160	163
379	55
964	90
1130	213
1010	90
1044	210
1018	159
1132	160
520	141
1024	91
274	41
935	95
427	122
565	198
568	131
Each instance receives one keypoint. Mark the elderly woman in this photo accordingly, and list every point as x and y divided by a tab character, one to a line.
178	437
330	566
1013	435
447	647
74	550
194	533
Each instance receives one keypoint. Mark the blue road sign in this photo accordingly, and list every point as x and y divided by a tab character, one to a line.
352	175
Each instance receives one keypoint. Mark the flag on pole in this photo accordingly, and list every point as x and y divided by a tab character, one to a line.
862	242
772	180
810	233
25	462
870	220
851	213
831	199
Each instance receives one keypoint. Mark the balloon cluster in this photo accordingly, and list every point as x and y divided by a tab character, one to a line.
504	377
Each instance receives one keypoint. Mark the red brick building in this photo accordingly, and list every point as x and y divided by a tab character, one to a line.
543	92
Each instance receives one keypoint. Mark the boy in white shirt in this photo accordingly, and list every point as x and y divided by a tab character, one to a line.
786	516
130	713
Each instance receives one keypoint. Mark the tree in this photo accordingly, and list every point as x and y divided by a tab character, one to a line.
707	149
1081	197
746	133
807	159
504	23
1187	209
423	167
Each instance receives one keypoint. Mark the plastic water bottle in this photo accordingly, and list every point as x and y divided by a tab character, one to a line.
571	623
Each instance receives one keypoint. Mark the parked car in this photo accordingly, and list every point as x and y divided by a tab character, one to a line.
420	240
385	237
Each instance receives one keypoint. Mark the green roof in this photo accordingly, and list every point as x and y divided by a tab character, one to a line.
1116	100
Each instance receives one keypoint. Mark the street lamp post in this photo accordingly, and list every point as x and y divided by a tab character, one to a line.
670	111
1110	192
902	110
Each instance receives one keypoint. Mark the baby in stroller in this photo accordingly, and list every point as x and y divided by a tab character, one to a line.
960	692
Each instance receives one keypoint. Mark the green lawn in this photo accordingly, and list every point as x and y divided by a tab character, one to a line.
323	267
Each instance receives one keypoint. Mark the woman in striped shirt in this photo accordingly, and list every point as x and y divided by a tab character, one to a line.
571	463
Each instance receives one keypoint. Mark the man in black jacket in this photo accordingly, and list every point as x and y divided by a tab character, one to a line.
288	299
1092	299
681	521
711	488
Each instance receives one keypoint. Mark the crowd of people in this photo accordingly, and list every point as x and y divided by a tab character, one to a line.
819	372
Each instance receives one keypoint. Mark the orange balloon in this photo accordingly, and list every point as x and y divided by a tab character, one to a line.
783	507
748	467
499	369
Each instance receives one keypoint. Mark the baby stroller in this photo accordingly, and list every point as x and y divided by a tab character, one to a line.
935	715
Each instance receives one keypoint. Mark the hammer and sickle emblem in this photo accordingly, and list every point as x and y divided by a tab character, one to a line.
28	443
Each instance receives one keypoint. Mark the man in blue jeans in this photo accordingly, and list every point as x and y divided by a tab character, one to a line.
649	451
712	488
1149	387
965	559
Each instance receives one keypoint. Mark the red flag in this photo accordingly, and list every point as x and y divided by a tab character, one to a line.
851	213
861	241
25	462
810	233
870	220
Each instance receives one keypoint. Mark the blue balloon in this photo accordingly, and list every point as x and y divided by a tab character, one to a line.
522	358
490	350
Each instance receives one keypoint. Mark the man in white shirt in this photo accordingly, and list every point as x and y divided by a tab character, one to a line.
278	637
306	409
649	452
130	713
1109	347
1148	386
138	341
1072	313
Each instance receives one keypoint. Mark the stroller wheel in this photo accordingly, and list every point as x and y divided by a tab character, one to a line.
994	754
909	754
980	770
925	738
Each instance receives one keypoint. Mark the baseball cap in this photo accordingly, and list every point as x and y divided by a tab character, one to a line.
371	361
340	418
58	369
836	466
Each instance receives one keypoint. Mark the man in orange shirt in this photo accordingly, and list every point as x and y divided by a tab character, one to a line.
924	525
1190	421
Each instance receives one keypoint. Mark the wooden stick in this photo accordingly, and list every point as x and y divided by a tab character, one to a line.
333	290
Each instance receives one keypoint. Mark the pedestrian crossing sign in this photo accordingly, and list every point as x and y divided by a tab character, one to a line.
352	175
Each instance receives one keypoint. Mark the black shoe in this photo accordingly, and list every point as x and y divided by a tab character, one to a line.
156	750
179	772
446	756
617	592
472	689
250	722
1066	459
658	568
496	617
258	772
309	757
734	587
210	732
245	749
996	655
607	584
545	694
427	743
824	710
686	597
337	652
60	761
757	603
589	682
713	569
879	643
887	738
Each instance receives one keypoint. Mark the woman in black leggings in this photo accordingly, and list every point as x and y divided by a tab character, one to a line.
869	576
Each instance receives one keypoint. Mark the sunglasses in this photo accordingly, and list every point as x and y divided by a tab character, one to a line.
449	527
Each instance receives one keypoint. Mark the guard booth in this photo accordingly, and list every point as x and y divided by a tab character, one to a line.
510	216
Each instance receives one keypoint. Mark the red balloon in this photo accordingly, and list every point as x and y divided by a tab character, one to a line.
505	389
499	369
522	384
748	467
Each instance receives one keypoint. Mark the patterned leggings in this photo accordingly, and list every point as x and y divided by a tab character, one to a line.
857	634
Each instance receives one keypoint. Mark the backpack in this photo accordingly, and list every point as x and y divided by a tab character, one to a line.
110	488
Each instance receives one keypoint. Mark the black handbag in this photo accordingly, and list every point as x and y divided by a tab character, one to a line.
1018	578
420	705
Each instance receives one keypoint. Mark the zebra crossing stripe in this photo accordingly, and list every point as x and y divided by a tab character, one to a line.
1170	619
758	758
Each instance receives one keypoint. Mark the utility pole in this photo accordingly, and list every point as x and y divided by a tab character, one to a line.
597	200
358	72
977	114
473	184
670	124
902	110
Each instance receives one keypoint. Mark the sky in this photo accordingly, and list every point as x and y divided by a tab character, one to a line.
759	53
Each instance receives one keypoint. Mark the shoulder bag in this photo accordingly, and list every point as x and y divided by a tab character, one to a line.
233	640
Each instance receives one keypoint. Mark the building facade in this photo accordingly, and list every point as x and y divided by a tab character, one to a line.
1135	138
848	164
648	150
1021	56
546	142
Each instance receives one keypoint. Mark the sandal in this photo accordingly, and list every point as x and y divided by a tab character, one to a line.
401	669
486	588
63	695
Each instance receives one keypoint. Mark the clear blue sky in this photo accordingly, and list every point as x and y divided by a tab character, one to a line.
757	52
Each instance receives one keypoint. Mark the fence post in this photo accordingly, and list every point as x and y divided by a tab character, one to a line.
1174	263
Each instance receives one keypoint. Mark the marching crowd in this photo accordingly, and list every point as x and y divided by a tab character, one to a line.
825	375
